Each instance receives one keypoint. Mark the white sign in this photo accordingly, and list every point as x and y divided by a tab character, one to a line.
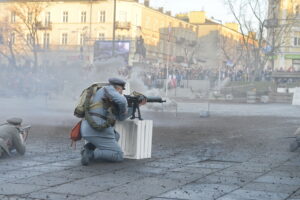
296	97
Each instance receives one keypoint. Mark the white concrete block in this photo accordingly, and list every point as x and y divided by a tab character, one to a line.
135	138
291	90
282	90
296	97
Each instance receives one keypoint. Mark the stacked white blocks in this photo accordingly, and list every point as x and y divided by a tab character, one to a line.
135	138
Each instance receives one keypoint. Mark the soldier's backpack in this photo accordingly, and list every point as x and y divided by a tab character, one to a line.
85	98
85	105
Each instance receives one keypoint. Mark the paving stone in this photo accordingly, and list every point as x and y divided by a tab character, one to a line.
293	163
116	196
242	194
290	174
270	187
224	180
16	189
71	174
212	164
109	180
182	177
279	180
42	180
278	157
251	167
199	191
18	174
235	156
236	173
52	196
66	163
288	168
296	195
73	189
157	198
204	171
151	186
21	163
10	197
45	168
147	170
163	164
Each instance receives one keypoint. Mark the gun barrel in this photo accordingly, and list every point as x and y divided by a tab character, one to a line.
155	100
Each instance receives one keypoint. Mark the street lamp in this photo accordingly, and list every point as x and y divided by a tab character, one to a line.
114	28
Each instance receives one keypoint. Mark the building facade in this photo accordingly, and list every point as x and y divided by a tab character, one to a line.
220	45
67	30
284	34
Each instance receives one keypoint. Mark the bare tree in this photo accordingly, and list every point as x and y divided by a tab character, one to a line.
30	24
253	19
8	49
232	50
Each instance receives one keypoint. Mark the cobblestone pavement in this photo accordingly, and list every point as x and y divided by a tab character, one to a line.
236	157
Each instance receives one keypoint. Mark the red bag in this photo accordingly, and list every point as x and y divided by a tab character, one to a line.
75	134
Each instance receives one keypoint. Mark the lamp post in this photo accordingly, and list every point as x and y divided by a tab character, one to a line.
114	28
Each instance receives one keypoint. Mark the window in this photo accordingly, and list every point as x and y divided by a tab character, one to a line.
47	18
83	17
12	38
122	16
101	36
46	40
81	39
65	16
64	39
296	41
296	64
102	16
29	17
13	17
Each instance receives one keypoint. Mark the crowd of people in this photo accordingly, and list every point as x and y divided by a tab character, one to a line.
154	76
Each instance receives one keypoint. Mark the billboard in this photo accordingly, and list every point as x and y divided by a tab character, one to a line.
103	49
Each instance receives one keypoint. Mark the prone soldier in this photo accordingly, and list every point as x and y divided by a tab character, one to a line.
12	137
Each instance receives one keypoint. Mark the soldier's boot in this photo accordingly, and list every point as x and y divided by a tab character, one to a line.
86	155
90	146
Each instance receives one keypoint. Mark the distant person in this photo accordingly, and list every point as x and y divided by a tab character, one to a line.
12	137
111	106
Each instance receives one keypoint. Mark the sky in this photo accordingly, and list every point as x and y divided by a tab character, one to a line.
215	8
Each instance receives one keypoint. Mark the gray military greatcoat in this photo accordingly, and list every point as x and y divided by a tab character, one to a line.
10	139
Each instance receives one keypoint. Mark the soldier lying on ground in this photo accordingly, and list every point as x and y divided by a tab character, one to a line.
12	137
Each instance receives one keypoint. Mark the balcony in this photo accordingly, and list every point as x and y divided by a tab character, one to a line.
42	26
123	25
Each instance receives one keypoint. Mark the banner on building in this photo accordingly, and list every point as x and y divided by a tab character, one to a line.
103	49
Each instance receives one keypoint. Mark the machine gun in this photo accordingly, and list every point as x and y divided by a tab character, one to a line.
136	98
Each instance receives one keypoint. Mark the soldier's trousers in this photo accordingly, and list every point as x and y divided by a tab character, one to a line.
106	148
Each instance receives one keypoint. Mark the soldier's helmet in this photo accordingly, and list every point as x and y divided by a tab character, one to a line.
14	121
117	81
